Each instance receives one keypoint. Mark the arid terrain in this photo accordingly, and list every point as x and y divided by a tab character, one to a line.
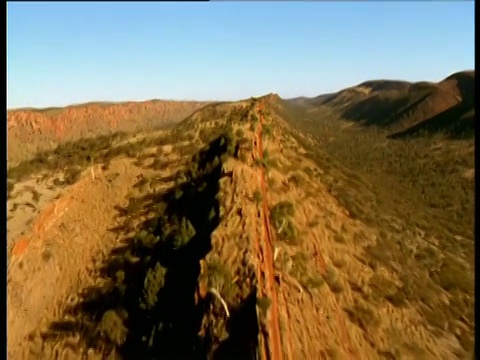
335	227
44	129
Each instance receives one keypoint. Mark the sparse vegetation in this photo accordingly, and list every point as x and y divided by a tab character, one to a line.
297	179
46	254
242	157
421	173
35	194
72	157
306	276
333	280
165	293
267	130
153	115
152	280
281	218
413	192
363	315
257	196
220	278
382	288
239	133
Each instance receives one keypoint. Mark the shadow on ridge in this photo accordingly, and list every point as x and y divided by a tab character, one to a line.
145	306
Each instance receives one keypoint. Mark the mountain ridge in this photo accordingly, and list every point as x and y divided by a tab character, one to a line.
229	232
399	106
40	129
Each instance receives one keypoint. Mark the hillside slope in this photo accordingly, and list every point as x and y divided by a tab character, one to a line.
233	234
31	130
407	108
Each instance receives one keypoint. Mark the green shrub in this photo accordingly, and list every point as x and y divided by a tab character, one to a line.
280	217
154	281
363	315
257	195
239	133
267	130
283	208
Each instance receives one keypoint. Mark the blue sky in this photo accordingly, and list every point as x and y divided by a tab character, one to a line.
63	53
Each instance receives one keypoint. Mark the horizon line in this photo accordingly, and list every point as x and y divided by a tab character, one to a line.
118	102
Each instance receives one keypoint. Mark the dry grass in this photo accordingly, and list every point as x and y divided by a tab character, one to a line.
348	238
304	272
415	197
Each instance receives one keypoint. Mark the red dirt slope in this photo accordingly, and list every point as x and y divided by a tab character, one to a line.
31	130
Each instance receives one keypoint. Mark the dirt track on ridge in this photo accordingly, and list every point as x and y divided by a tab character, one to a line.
275	344
266	259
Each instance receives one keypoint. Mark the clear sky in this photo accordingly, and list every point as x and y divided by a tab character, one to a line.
63	53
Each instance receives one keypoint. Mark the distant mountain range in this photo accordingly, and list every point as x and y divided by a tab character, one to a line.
404	108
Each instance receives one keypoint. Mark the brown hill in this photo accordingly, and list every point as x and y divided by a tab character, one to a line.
408	108
236	235
30	130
